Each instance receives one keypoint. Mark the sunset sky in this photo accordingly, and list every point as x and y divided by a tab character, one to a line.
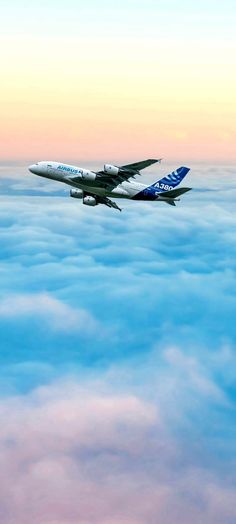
114	80
117	330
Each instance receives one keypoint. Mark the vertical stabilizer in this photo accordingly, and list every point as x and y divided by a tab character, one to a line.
172	180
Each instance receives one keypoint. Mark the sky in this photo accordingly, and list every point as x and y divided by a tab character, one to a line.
103	80
117	330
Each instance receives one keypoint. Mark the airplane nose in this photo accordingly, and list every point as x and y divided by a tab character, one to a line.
33	168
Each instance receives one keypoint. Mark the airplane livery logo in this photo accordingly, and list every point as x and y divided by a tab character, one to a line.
172	180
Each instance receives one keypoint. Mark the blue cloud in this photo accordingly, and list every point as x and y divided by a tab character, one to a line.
151	273
137	307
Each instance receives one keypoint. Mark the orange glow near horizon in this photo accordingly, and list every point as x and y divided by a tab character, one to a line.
107	98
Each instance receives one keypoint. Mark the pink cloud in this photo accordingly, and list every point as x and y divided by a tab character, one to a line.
74	454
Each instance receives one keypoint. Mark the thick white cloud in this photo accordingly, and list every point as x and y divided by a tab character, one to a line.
56	314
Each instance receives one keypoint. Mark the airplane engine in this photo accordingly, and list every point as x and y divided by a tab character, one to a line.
111	170
88	175
89	201
76	193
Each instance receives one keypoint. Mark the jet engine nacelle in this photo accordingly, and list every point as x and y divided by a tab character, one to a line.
111	170
88	175
76	193
89	201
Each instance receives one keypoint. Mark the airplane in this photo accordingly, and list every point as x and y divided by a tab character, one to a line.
96	187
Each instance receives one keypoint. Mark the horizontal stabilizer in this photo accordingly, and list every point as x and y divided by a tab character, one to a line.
169	201
174	193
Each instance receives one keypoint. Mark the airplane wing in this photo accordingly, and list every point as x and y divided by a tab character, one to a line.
138	166
112	176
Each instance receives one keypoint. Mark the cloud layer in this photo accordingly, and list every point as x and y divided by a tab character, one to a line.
82	453
117	356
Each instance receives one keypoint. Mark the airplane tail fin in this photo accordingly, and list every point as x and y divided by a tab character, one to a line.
169	182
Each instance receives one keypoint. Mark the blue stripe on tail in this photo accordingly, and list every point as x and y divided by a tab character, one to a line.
172	180
167	183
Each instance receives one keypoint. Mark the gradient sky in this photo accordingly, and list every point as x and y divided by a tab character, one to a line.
117	330
105	80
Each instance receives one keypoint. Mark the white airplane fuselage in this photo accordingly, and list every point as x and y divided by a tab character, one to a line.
85	179
97	187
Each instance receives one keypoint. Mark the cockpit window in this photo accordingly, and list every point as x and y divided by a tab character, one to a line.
49	165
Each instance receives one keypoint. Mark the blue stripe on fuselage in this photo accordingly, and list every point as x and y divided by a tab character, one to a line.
149	193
